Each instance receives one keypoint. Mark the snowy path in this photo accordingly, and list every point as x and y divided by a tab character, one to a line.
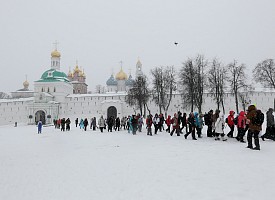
93	165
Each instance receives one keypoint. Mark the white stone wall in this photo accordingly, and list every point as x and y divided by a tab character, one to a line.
95	105
12	111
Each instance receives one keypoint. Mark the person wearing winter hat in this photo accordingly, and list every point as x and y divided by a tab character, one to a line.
253	128
230	122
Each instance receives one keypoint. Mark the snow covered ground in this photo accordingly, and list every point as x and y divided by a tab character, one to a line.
80	165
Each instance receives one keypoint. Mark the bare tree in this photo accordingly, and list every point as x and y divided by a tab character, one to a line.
192	79
264	73
187	82
164	84
4	95
139	94
237	80
216	82
200	65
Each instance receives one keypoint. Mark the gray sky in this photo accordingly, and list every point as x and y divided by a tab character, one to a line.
100	33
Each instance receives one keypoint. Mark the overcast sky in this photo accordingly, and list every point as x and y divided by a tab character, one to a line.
100	33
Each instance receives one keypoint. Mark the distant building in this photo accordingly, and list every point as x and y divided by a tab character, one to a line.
57	95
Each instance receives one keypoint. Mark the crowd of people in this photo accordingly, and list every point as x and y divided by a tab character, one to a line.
246	123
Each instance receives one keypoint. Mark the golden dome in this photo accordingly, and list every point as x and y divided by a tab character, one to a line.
26	84
121	75
77	70
55	53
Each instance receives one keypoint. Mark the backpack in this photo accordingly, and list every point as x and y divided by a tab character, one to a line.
259	119
235	120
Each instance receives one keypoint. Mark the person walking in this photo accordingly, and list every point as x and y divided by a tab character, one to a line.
168	123
191	124
39	127
230	122
241	126
86	123
175	125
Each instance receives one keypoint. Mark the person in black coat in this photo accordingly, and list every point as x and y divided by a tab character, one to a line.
192	126
68	122
86	123
76	122
110	123
63	122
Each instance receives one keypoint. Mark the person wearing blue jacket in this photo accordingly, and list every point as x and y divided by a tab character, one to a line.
39	126
198	123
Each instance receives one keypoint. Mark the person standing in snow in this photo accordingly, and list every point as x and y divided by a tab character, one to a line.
140	123
39	126
156	122
81	124
161	122
63	122
219	127
253	128
94	123
134	123
230	122
101	123
117	126
270	131
86	123
149	123
76	122
68	122
208	120
198	123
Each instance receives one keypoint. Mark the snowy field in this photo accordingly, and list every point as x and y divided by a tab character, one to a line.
90	165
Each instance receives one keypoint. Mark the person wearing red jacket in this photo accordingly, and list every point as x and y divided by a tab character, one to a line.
241	126
230	122
175	124
168	123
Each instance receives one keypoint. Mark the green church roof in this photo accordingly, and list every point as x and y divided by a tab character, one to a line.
53	75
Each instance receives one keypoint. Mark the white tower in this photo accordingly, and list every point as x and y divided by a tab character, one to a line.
139	69
55	59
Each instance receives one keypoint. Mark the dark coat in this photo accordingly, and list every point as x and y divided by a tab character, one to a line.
251	115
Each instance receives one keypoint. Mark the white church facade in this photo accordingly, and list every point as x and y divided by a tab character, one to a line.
57	95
